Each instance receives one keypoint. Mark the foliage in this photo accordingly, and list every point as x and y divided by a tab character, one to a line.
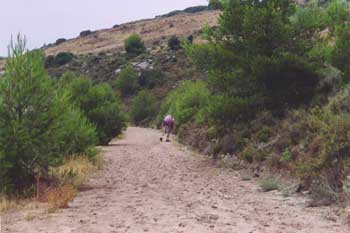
144	108
100	105
85	33
194	9
286	156
215	5
253	62
264	134
187	102
151	78
134	45
328	149
78	134
340	56
338	13
174	43
127	81
60	41
63	58
60	59
269	184
36	123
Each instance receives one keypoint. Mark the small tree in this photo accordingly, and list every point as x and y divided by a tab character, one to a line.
60	41
134	45
215	5
174	43
31	119
127	81
63	58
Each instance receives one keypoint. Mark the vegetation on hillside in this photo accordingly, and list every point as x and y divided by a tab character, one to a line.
43	123
99	104
134	45
271	66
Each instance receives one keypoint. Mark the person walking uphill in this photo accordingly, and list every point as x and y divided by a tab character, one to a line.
168	126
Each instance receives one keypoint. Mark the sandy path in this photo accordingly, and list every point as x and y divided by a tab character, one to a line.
149	186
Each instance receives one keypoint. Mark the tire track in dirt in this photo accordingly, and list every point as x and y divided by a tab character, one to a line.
148	186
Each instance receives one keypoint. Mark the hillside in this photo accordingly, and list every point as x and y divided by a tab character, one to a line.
151	30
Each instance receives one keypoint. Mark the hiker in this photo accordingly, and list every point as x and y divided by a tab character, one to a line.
167	125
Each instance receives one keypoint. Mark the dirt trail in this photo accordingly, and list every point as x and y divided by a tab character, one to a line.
148	186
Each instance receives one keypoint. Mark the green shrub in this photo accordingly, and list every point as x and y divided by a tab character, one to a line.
340	56
38	126
256	60
60	59
187	102
63	58
100	105
127	81
134	45
60	41
248	154
215	5
269	184
85	33
144	108
151	79
328	150
286	157
174	43
264	134
77	133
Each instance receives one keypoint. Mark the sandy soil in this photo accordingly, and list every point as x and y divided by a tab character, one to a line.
149	186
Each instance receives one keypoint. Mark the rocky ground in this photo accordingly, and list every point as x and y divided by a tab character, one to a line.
149	186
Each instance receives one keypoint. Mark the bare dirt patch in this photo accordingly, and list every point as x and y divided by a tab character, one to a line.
148	186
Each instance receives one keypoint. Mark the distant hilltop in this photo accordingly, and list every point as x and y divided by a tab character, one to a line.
179	23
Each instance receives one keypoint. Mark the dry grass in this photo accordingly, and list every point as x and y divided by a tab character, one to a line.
99	161
6	204
150	30
17	203
60	197
70	176
74	170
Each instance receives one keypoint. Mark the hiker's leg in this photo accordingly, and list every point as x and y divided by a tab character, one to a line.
168	132
165	130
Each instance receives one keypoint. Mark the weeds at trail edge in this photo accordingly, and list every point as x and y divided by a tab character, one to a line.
269	184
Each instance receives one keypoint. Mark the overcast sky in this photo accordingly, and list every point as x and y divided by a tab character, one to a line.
44	21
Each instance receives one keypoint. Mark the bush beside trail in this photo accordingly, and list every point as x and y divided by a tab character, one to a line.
38	125
99	103
42	123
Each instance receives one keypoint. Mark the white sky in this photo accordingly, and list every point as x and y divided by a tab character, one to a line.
44	21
